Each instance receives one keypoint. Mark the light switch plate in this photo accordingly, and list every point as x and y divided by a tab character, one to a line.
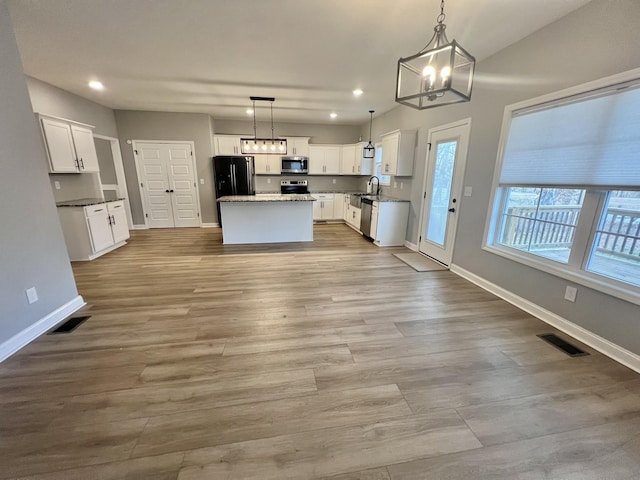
202	181
57	184
468	191
570	293
32	295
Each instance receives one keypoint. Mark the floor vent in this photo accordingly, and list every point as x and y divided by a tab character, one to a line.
560	344
70	325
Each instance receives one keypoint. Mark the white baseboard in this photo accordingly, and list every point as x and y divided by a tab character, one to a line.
411	246
209	225
140	227
604	346
36	329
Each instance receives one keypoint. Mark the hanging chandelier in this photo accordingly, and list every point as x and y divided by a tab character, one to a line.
439	74
267	146
369	149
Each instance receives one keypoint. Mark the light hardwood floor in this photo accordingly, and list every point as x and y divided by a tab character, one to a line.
305	361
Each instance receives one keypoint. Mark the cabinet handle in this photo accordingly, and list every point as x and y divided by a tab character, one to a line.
113	219
82	163
109	218
101	209
77	164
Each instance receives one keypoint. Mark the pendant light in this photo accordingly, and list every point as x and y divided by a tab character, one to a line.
369	149
439	74
263	146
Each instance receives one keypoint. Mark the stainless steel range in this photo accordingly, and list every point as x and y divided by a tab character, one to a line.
294	186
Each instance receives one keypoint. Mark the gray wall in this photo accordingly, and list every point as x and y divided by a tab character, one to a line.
195	127
105	161
337	134
46	98
593	42
32	251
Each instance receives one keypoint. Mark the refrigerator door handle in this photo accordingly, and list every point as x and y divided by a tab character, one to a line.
249	176
234	190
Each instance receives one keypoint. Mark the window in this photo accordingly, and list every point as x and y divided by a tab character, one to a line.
567	190
384	179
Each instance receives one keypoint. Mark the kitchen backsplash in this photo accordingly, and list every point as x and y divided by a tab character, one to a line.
316	183
75	185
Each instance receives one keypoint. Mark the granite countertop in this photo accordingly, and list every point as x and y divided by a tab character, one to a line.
85	202
382	198
272	197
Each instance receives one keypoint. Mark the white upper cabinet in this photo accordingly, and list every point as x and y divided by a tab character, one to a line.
363	166
85	148
324	159
227	144
69	146
298	146
267	164
348	166
397	152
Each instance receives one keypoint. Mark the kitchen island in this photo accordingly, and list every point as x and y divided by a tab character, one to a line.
267	218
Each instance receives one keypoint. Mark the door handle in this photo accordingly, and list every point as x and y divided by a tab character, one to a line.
452	210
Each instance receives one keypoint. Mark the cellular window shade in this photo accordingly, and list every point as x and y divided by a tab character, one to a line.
590	142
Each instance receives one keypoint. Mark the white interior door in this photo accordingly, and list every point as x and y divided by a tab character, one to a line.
443	188
184	198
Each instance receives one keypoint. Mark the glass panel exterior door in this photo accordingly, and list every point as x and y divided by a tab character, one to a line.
443	188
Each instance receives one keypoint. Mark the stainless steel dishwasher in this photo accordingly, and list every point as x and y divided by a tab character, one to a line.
366	208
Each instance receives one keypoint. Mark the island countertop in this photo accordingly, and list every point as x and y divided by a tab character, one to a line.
85	202
271	197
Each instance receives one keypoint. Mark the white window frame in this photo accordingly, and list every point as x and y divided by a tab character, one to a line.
593	207
384	179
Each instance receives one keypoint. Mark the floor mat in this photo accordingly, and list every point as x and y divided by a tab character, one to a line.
418	262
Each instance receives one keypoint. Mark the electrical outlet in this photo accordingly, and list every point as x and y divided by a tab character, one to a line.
32	295
202	181
395	184
468	191
268	180
401	185
57	184
570	293
334	181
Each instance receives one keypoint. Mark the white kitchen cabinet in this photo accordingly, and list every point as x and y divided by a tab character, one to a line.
323	207
363	166
348	166
298	146
324	159
267	164
389	223
227	144
338	206
91	231
397	152
353	217
70	147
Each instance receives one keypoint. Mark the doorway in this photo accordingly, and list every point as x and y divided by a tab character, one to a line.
167	181
446	159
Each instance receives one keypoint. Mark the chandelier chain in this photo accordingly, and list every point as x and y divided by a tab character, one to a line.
442	16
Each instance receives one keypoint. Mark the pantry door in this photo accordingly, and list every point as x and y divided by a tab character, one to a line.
168	188
441	202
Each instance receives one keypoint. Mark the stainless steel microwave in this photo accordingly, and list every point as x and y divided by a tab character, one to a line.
295	165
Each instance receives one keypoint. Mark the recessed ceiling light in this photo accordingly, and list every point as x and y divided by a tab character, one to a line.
333	114
96	85
357	92
249	111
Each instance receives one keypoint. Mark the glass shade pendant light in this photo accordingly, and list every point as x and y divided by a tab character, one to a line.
439	74
369	149
266	146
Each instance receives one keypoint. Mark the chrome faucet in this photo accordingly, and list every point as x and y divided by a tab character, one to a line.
378	184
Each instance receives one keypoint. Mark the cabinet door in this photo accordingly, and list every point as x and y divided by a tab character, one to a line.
85	148
100	229
390	154
227	145
348	160
119	227
317	209
298	147
261	164
316	159
374	220
275	164
332	161
327	208
338	206
59	142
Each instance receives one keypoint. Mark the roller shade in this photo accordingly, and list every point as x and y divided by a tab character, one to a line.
593	141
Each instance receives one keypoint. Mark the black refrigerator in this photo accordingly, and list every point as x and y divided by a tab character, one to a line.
233	176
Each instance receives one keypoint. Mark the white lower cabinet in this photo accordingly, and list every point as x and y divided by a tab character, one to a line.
323	207
92	231
389	223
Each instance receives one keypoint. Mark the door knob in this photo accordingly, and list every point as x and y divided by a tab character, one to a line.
167	190
452	210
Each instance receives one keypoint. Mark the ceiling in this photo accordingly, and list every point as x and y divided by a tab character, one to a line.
209	56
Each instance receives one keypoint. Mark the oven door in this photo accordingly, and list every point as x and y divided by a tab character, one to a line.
297	165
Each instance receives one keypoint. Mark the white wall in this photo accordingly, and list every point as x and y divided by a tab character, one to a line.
595	41
32	249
